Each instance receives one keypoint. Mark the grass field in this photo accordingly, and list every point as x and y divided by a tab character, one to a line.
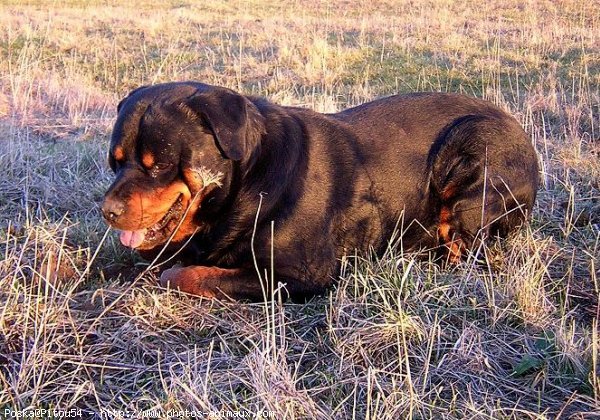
514	337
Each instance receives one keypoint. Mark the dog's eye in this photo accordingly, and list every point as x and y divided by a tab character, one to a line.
161	166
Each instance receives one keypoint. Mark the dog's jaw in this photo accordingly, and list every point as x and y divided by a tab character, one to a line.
162	230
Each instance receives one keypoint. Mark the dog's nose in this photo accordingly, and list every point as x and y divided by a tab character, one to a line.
112	209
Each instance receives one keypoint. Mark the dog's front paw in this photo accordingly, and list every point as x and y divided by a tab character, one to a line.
193	280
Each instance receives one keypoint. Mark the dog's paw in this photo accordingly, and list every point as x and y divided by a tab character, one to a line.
191	280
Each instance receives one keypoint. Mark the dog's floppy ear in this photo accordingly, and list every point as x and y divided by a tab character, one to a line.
236	123
120	105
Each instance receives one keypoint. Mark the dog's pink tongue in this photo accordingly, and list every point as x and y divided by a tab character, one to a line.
132	238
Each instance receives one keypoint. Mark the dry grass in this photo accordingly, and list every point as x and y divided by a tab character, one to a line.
515	337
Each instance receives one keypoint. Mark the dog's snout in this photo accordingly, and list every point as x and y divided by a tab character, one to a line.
112	209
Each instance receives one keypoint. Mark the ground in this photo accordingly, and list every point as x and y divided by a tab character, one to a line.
512	332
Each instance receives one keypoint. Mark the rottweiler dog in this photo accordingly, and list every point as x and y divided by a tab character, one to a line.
235	184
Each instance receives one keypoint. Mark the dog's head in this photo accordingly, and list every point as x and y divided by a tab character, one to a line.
175	147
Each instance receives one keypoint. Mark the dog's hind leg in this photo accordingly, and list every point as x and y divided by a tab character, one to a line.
483	178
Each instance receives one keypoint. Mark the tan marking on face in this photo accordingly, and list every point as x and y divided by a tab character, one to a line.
188	227
193	180
119	153
148	160
153	207
199	178
144	209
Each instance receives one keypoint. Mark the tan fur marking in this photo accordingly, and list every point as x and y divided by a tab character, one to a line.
199	280
448	192
444	231
455	249
444	226
152	207
454	244
193	180
199	178
445	215
119	153
146	209
194	280
148	160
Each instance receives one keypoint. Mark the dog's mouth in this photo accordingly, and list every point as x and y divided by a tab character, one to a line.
159	232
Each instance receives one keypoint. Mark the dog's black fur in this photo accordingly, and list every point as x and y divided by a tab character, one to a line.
437	168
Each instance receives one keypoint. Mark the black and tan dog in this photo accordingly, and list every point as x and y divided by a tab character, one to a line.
193	161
